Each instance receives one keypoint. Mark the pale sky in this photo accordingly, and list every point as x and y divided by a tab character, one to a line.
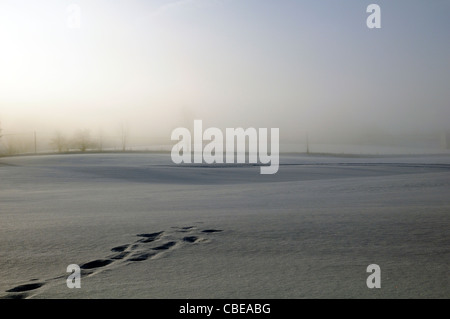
301	66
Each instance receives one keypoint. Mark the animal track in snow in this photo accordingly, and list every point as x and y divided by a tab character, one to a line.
148	246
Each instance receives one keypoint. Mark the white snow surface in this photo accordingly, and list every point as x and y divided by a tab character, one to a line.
309	231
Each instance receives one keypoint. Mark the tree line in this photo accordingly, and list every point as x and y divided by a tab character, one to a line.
79	141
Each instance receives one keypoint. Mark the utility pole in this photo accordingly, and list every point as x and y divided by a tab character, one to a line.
307	144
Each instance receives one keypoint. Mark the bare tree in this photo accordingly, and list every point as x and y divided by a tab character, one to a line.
82	140
124	136
0	137
18	144
59	142
100	139
11	147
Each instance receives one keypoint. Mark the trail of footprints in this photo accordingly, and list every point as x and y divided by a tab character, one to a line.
148	246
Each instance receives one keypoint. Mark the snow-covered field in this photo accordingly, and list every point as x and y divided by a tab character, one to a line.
142	227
